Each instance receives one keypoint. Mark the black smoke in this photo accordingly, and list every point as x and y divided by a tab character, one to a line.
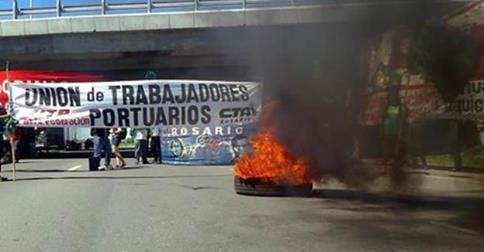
317	75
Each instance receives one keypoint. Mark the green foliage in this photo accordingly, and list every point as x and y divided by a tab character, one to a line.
470	159
129	140
444	56
151	75
127	143
10	124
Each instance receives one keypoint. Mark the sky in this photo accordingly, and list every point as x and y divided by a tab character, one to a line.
7	4
42	3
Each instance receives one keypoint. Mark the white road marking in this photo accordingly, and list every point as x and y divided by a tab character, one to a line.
463	230
467	179
74	168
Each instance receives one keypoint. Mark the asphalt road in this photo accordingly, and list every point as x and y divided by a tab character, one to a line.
57	205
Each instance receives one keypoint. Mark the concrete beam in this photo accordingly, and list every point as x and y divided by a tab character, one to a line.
133	41
162	21
329	13
36	27
152	22
13	28
220	19
166	40
107	24
80	25
58	26
270	17
182	20
133	62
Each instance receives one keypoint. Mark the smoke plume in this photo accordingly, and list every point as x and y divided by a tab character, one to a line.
316	74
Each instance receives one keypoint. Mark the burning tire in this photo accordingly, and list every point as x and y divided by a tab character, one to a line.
257	186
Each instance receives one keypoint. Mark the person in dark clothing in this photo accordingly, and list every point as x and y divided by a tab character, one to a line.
22	143
3	115
102	144
156	145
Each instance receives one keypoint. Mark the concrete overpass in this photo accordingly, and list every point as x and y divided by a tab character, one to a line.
194	41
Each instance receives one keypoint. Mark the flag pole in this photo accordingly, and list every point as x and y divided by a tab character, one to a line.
12	142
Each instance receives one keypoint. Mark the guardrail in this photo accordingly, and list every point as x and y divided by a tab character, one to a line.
106	7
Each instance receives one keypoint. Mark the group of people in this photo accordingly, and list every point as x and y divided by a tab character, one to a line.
103	144
142	137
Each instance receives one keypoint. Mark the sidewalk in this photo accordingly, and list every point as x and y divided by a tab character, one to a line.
434	169
435	183
438	171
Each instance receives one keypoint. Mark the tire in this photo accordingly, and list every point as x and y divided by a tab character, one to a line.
258	187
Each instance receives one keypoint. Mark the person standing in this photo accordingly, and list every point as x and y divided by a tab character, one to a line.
7	147
391	124
141	146
3	115
19	138
118	135
102	144
156	144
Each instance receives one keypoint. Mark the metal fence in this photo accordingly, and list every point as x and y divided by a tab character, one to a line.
106	7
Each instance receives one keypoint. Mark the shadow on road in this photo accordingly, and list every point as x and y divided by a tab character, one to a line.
196	188
117	177
465	214
448	202
467	211
74	171
47	171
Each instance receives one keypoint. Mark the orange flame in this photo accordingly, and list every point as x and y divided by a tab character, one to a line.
270	161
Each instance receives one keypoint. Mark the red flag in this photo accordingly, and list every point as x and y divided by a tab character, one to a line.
41	76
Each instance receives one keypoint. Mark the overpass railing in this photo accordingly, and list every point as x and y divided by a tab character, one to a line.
106	7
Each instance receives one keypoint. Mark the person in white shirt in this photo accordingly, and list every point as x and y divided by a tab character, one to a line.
156	144
141	146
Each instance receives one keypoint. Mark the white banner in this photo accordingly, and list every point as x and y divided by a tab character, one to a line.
468	105
136	104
